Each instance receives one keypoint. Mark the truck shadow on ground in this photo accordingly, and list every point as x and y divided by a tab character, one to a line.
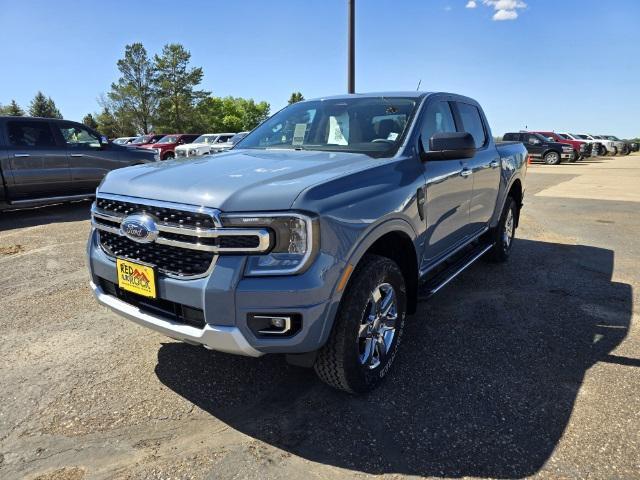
31	217
484	384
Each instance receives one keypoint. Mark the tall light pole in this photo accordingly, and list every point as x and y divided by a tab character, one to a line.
351	69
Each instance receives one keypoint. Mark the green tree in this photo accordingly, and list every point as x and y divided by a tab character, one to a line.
90	122
176	83
134	94
295	97
107	124
12	110
42	106
230	114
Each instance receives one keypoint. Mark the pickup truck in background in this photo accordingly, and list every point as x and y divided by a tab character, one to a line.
203	145
315	235
540	147
624	147
229	144
607	147
146	140
581	149
166	145
595	147
49	161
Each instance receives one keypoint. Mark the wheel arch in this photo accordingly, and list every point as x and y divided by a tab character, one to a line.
394	239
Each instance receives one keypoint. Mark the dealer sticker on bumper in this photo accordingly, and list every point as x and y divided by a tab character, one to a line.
136	278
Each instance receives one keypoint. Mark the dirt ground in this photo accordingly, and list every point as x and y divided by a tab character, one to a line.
526	369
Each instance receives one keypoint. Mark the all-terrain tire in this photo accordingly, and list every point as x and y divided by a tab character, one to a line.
339	361
504	233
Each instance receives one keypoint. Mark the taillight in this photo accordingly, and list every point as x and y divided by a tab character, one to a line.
528	159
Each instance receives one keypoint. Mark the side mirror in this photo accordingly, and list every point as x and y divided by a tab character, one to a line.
450	146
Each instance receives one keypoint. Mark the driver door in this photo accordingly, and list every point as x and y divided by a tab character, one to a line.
449	188
89	160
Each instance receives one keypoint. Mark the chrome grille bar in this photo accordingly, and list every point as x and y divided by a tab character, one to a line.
110	222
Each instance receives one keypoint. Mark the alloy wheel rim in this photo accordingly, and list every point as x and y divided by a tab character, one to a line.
553	158
378	326
507	234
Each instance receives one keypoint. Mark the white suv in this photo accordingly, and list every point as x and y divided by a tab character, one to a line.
203	145
596	146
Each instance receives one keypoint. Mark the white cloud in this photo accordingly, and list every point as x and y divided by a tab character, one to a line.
505	15
471	4
504	9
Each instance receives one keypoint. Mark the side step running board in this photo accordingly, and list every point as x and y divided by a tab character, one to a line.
433	285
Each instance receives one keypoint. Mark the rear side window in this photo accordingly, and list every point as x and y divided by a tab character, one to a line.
472	123
438	119
511	137
30	134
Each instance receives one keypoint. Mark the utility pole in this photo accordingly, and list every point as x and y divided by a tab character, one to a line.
351	69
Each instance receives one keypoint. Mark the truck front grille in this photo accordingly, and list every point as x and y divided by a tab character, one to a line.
171	260
188	241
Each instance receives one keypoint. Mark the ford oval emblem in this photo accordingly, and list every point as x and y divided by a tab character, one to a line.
140	228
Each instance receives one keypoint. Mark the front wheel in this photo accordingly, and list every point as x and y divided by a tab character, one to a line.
575	157
505	232
552	158
169	156
368	328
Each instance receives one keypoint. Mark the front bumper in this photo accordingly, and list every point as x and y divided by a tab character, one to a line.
566	155
220	338
227	298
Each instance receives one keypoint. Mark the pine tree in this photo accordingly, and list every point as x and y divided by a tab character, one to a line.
176	84
295	98
90	122
42	106
134	94
14	110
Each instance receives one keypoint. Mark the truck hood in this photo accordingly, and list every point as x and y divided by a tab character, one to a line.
239	180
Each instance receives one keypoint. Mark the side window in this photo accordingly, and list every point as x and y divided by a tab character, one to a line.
30	134
472	123
510	137
438	119
77	136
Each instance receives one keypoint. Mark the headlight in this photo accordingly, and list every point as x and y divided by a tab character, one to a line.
295	242
156	155
567	148
193	151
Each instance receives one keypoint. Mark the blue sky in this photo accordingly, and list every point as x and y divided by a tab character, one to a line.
561	64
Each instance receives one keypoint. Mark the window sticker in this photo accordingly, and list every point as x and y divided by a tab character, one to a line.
392	136
339	130
298	134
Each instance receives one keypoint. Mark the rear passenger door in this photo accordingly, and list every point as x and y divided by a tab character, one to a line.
485	167
534	145
89	161
37	163
448	188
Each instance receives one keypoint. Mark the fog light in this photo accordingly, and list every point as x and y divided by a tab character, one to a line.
274	324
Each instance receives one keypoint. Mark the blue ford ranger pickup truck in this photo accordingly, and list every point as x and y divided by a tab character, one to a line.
315	235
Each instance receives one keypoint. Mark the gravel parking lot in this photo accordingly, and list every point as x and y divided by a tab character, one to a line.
528	368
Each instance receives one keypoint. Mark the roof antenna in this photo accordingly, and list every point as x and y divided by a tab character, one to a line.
418	87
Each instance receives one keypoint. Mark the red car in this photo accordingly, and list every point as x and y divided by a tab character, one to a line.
580	149
167	144
144	140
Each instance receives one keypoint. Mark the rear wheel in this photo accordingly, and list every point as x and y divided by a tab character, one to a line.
368	328
552	158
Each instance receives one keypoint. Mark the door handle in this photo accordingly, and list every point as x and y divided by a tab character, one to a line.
21	155
465	172
77	155
494	164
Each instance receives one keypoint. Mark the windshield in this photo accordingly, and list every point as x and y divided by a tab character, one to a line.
584	137
370	125
611	137
168	139
142	139
564	136
237	137
205	139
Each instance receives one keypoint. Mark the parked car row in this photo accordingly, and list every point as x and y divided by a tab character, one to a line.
169	146
553	147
